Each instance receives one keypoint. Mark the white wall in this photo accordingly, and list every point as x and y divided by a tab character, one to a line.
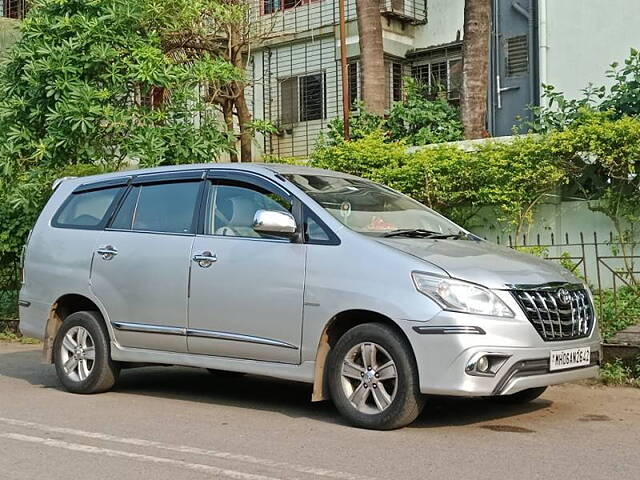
584	37
445	23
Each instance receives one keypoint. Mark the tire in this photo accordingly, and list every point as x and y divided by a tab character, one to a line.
388	403
525	396
99	373
225	373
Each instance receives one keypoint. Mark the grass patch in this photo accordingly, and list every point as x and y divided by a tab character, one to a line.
619	311
620	374
8	336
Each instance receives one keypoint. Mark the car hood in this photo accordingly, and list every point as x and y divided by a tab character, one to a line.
482	262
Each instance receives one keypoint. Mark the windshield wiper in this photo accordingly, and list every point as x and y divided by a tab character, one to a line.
422	233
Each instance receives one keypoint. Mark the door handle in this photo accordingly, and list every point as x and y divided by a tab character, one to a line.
107	252
205	259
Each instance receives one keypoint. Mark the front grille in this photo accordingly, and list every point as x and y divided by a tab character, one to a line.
557	314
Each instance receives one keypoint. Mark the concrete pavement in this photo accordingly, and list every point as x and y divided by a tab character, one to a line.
175	423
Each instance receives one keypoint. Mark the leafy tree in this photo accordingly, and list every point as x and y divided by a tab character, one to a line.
90	83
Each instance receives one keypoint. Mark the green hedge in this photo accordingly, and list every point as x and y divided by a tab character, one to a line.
511	177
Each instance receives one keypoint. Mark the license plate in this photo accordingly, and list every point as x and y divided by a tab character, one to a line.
570	358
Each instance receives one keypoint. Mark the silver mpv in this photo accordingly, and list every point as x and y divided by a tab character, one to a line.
301	274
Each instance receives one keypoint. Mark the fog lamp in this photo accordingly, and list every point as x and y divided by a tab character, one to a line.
482	365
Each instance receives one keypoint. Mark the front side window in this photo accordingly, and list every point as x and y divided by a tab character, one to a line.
232	206
86	209
164	208
369	208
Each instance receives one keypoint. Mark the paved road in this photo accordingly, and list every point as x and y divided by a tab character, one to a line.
175	423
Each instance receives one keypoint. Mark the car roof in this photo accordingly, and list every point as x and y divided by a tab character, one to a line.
279	168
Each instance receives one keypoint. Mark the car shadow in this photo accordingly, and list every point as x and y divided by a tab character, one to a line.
288	398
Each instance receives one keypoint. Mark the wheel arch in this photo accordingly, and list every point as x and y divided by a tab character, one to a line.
337	326
60	309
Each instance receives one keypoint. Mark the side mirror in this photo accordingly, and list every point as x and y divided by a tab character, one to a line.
272	222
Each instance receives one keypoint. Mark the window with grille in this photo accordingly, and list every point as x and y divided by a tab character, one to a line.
272	6
289	100
441	71
393	78
517	56
13	9
311	97
354	83
396	85
302	99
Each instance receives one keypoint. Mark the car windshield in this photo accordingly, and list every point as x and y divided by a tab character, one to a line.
373	209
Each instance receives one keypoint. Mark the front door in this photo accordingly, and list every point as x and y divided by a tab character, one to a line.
246	288
514	85
141	264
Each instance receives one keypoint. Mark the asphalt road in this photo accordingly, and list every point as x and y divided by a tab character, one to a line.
175	423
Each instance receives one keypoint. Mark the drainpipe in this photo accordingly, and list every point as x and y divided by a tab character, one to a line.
544	44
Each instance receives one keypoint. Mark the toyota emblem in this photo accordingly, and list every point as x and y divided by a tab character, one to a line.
564	296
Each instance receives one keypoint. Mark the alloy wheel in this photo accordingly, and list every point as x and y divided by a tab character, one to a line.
369	378
78	354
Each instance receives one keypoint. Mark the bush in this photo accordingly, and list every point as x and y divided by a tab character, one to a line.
617	373
510	177
620	310
417	120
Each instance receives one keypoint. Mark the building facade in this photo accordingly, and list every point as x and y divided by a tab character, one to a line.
297	84
295	70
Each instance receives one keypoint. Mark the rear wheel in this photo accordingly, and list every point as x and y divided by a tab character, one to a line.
524	396
373	379
82	355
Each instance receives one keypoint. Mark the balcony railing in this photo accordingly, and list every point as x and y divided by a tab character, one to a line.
410	11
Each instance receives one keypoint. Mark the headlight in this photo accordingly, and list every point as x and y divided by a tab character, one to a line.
461	296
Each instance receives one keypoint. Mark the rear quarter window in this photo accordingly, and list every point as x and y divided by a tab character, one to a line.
86	210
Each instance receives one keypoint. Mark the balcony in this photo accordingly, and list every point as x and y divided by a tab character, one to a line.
408	11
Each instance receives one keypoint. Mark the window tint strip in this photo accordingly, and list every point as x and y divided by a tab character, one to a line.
114	182
168	177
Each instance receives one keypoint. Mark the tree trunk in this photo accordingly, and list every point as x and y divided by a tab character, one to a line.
244	121
374	78
227	113
475	67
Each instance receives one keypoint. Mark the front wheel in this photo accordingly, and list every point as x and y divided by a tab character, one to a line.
373	378
82	355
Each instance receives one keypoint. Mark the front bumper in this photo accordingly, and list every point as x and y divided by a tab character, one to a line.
449	346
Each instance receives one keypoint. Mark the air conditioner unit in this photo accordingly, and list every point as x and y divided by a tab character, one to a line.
397	6
394	7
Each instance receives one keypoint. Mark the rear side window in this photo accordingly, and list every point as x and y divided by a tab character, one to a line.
86	210
164	207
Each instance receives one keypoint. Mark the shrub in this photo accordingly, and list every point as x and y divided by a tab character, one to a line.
510	177
620	310
417	120
617	373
